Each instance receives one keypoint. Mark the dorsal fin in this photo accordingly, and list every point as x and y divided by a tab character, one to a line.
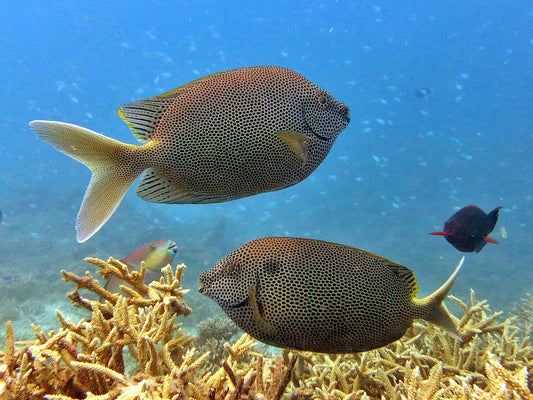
176	92
142	116
408	276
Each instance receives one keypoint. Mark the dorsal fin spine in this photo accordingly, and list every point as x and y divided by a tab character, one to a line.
143	116
408	276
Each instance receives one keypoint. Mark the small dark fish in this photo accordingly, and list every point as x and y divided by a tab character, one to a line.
155	256
319	296
468	229
422	92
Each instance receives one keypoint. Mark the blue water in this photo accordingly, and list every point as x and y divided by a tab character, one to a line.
401	168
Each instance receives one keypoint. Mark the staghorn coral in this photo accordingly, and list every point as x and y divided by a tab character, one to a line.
167	290
502	385
88	359
426	361
89	356
524	314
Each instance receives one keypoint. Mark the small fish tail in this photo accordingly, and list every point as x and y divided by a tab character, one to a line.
492	218
432	309
106	158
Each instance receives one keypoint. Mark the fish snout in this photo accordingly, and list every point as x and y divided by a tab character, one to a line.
173	248
206	288
201	288
345	112
205	281
202	285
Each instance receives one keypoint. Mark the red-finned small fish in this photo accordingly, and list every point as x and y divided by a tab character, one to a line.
468	229
155	256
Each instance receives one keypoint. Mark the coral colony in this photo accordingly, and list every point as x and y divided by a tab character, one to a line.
132	347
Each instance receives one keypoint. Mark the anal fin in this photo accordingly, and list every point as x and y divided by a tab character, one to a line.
159	187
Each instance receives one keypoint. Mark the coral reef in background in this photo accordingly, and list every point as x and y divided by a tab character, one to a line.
213	333
132	347
524	314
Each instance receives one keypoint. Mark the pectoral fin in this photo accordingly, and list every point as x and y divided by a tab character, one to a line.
266	327
297	142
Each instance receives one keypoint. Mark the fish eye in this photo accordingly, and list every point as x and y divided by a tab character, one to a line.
322	99
152	248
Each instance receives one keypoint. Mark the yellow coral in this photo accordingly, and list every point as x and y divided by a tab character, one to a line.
87	359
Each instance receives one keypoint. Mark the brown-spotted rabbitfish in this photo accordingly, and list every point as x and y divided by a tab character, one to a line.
319	296
222	137
154	255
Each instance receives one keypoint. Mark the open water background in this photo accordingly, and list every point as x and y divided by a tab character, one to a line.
402	167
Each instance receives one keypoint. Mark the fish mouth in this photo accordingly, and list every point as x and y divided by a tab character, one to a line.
225	303
346	113
172	248
346	116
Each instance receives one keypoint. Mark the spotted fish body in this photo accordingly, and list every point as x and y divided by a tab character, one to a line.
319	296
222	137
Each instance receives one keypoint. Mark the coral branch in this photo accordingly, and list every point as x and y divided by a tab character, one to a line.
87	360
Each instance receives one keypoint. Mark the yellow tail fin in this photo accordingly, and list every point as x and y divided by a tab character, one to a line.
432	309
106	157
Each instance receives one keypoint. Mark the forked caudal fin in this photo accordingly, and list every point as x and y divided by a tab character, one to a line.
431	308
106	157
